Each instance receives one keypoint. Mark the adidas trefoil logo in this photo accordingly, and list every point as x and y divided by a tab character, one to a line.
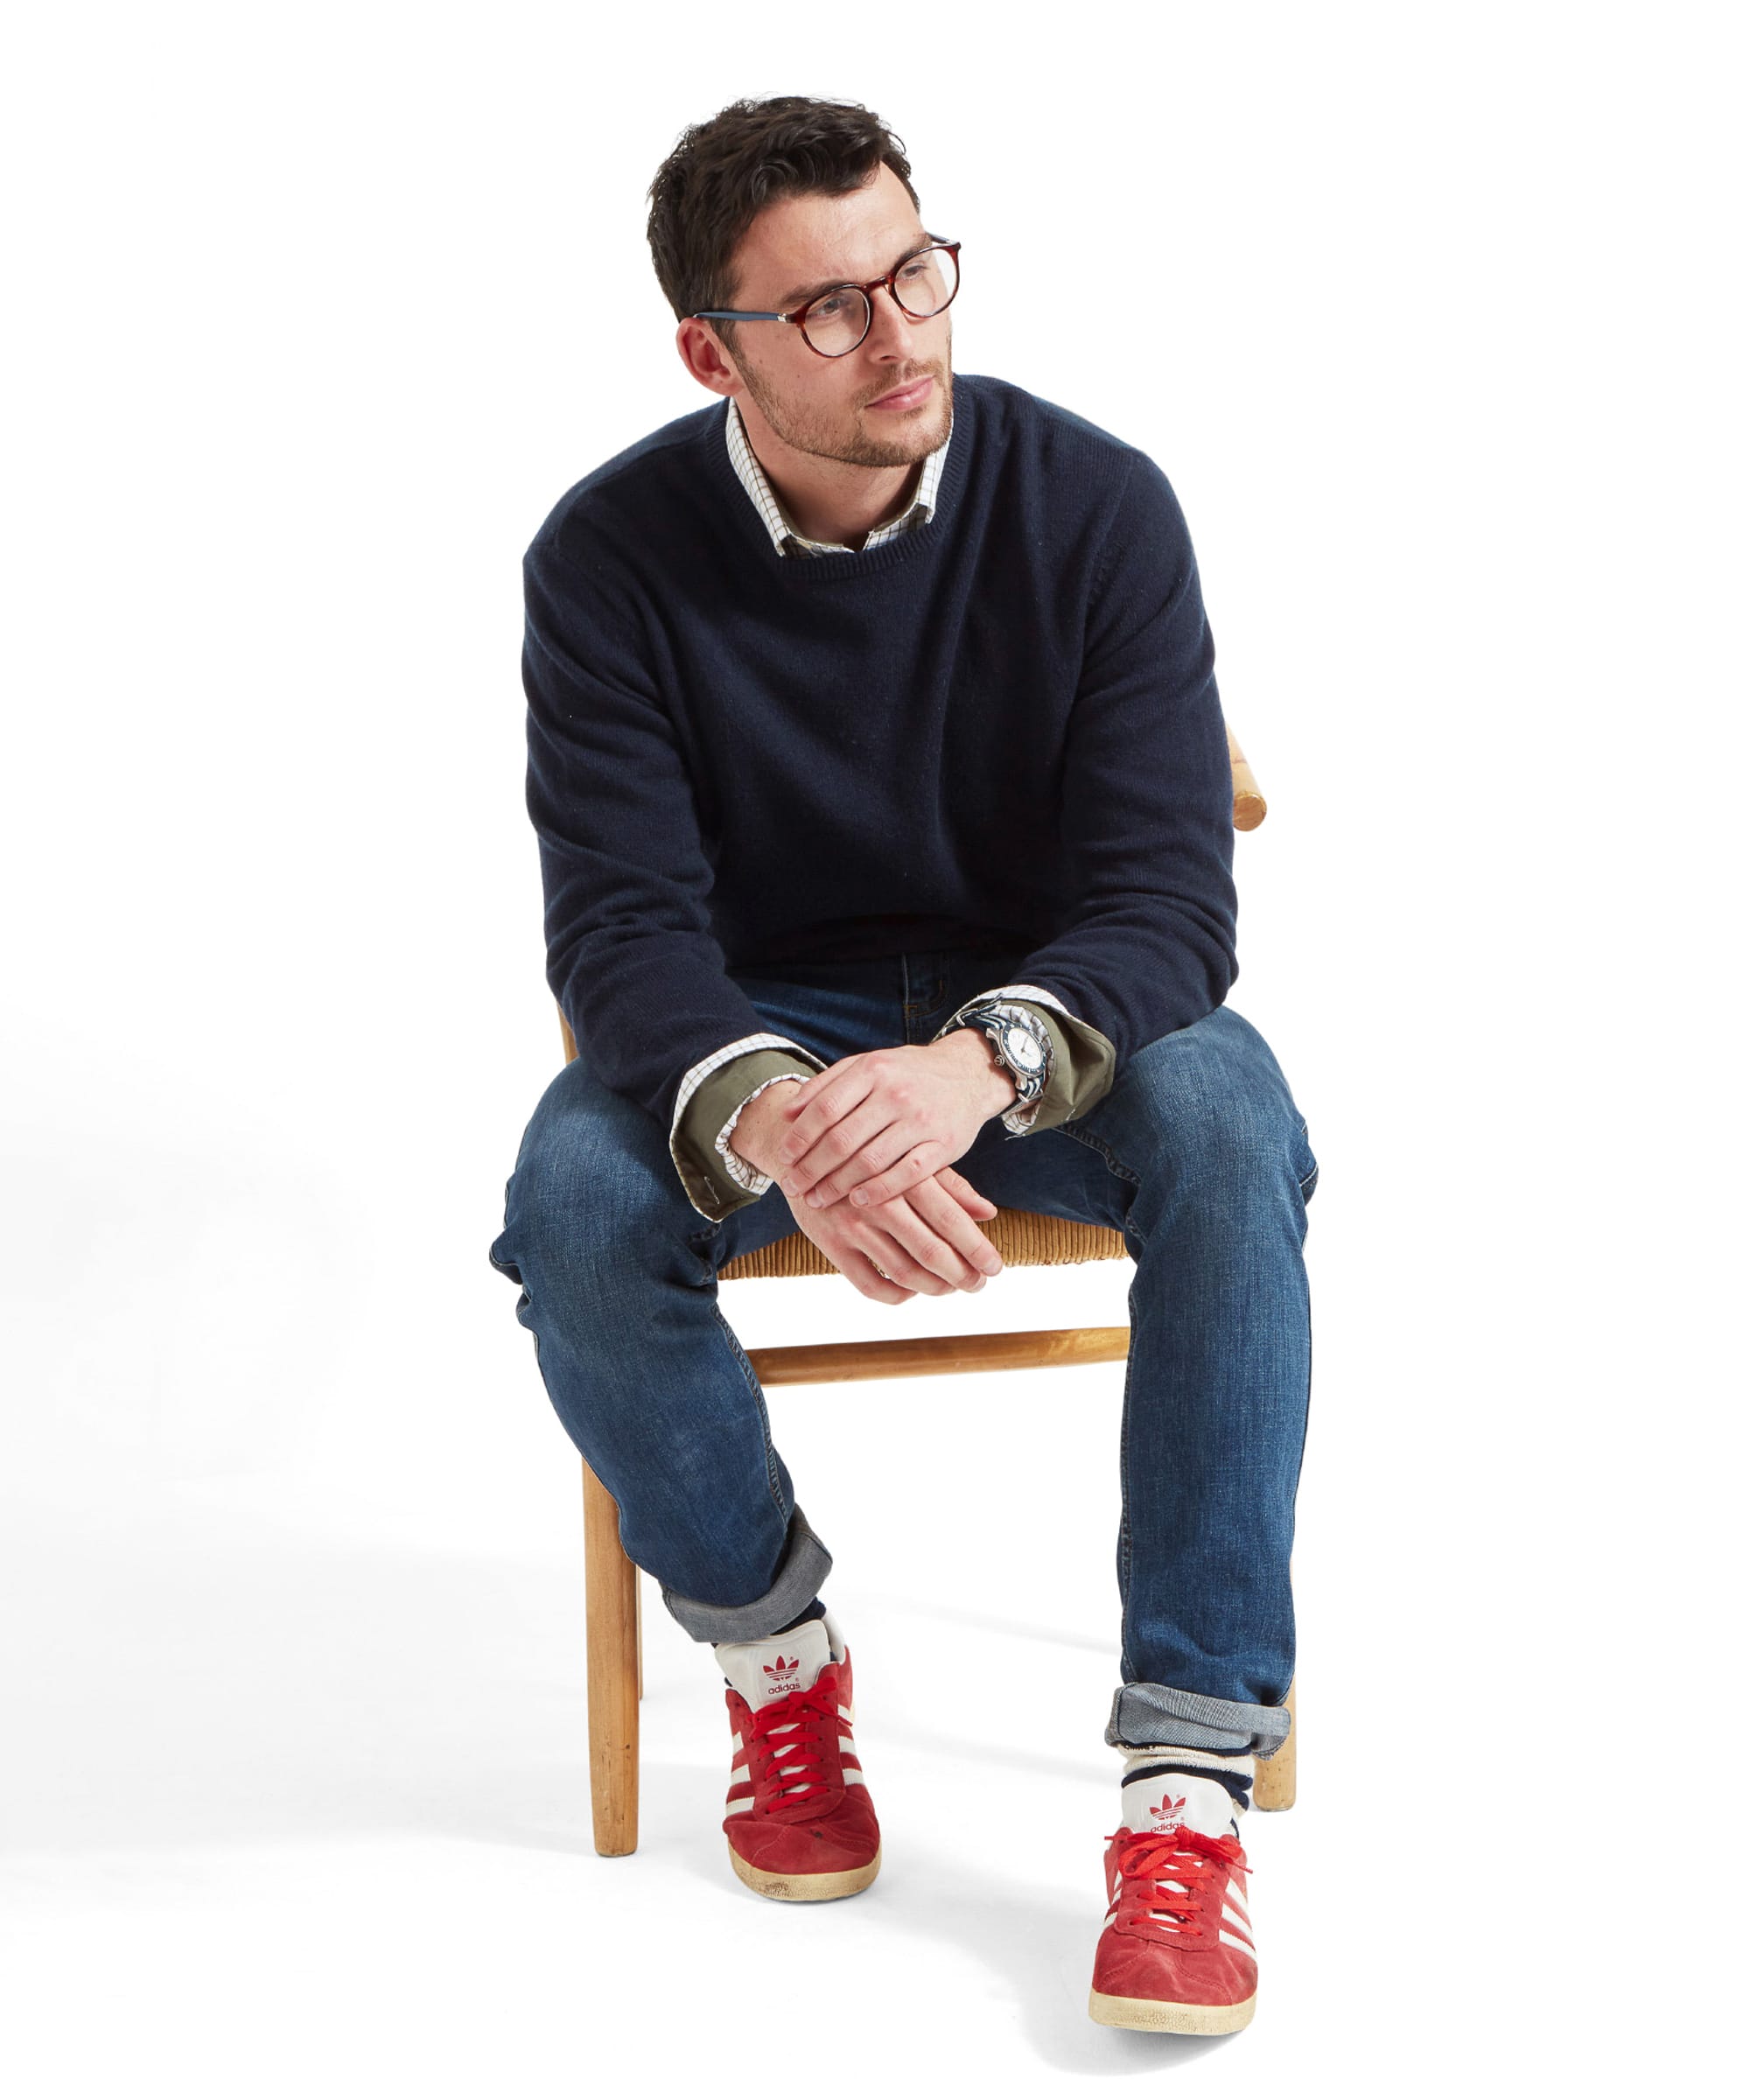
783	1674
1168	1817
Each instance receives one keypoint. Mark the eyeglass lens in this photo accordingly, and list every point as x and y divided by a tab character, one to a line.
925	286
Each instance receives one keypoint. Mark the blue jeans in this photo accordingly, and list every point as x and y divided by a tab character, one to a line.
1197	1155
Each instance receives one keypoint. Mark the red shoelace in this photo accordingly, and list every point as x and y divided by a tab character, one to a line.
787	1745
1149	1858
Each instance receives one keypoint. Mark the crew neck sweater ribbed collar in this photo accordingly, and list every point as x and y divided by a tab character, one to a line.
822	572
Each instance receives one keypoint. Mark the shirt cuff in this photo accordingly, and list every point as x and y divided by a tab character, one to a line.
741	1169
709	1096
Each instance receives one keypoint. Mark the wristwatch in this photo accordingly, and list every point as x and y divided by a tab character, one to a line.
1016	1043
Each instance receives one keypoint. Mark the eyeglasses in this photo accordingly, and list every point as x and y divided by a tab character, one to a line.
840	319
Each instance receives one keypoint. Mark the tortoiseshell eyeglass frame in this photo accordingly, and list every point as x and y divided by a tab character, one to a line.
796	318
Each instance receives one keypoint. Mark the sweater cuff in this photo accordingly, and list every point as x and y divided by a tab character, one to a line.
708	1100
1080	1066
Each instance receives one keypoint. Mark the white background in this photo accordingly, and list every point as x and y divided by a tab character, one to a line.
1428	315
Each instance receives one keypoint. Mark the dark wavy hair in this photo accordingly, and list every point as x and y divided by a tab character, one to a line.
726	169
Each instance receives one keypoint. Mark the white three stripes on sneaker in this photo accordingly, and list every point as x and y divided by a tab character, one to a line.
1236	1931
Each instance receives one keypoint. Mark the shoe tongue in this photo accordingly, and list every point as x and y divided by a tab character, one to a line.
1173	1801
762	1672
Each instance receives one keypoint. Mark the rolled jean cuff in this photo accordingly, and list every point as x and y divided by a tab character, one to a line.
1147	1714
802	1569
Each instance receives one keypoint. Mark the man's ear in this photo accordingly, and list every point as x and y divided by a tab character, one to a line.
705	357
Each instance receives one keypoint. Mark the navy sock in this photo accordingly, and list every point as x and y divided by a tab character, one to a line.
814	1610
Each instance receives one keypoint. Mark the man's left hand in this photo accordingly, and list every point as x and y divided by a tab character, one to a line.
877	1123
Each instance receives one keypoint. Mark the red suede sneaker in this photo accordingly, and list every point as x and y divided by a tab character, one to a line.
800	1824
1176	1953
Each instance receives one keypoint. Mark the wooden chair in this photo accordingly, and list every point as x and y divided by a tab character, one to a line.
1022	1238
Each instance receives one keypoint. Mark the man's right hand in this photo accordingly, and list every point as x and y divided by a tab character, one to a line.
926	1240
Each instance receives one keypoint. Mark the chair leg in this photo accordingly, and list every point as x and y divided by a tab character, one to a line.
613	1716
1274	1776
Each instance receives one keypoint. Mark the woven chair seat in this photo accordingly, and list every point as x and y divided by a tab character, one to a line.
1026	1239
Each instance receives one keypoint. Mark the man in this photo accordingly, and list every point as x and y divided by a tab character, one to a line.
884	807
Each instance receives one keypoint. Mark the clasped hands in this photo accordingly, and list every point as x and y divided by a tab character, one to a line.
862	1152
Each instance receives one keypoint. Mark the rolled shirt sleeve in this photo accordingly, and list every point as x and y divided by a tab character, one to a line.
709	1097
1080	1059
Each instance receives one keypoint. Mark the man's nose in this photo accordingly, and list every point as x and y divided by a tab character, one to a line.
891	329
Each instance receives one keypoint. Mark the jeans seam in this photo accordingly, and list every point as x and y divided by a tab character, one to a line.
1306	1186
1125	1511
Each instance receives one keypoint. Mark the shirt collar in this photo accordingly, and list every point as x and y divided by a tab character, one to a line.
787	540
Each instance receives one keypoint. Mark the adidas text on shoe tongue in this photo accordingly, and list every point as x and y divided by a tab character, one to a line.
1162	1802
762	1671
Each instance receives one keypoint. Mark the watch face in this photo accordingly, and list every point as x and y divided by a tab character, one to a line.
1025	1050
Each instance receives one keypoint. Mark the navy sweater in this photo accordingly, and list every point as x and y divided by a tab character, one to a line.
999	732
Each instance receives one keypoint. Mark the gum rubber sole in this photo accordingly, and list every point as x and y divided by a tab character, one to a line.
807	1888
1160	2017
